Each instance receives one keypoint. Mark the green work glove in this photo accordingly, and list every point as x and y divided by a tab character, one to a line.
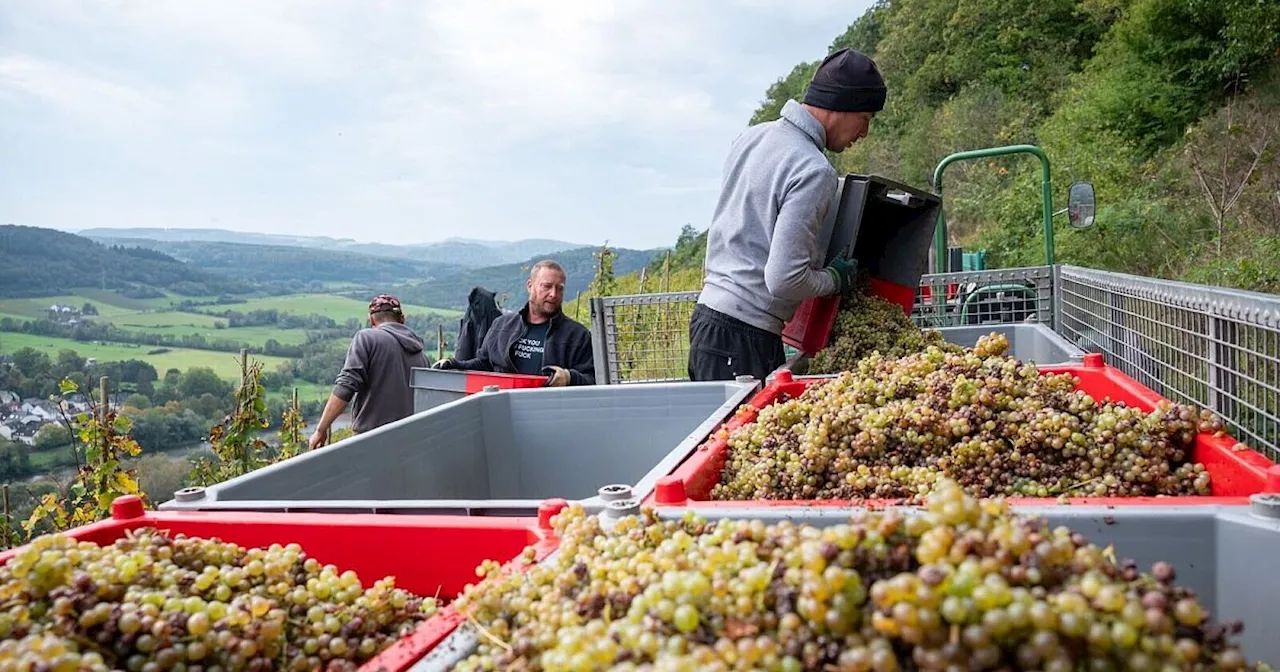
844	272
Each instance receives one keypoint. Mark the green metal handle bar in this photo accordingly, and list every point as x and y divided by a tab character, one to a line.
964	309
940	232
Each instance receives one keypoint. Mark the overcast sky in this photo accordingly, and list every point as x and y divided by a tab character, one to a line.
583	120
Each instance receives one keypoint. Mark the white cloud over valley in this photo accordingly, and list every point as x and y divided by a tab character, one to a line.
386	120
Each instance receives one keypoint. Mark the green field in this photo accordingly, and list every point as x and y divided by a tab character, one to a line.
108	303
338	308
307	391
225	364
36	308
182	324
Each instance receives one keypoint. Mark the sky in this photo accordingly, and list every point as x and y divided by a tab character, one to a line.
389	121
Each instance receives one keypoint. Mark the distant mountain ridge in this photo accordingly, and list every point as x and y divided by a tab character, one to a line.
46	262
467	252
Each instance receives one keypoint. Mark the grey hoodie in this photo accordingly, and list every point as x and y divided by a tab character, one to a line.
376	374
763	251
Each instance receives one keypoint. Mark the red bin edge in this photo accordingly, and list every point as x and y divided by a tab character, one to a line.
809	330
372	545
1234	474
478	380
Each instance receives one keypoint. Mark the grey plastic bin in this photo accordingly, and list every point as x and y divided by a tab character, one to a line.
492	453
1031	342
1220	552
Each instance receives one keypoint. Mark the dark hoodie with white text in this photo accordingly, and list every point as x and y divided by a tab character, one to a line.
376	374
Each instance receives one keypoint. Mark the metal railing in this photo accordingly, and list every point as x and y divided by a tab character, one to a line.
985	297
645	337
1212	347
642	337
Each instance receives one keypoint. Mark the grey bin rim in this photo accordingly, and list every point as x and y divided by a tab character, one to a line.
737	393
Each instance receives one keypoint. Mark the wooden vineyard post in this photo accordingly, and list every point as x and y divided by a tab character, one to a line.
104	389
8	518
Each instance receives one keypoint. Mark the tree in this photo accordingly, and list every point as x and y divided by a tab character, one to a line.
201	380
52	435
1226	152
31	362
604	284
139	401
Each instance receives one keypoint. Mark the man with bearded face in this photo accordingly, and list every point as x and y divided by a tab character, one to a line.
537	340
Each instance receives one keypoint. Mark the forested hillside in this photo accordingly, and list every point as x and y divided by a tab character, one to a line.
1170	107
452	251
44	262
508	280
292	268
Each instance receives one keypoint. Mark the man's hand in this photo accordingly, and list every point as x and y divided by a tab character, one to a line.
558	377
318	438
447	363
844	272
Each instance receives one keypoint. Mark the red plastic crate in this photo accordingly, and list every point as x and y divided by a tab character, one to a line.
425	554
478	380
1234	475
810	328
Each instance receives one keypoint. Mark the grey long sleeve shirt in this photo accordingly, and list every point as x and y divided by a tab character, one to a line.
763	252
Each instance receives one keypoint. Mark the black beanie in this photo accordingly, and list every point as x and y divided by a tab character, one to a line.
847	81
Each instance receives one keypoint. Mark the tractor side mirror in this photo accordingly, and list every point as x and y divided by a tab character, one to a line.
1080	205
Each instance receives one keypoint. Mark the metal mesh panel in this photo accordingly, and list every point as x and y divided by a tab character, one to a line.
1208	346
985	297
647	336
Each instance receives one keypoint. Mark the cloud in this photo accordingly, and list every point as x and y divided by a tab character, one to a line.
388	120
84	97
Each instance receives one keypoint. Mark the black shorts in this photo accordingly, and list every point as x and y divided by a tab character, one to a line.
723	347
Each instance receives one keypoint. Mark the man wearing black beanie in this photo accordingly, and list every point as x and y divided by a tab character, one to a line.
762	248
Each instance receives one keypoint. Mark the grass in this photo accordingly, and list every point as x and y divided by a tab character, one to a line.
181	324
307	391
36	308
155	316
108	303
339	308
225	364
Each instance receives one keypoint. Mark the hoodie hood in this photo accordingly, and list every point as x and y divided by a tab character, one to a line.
481	303
411	342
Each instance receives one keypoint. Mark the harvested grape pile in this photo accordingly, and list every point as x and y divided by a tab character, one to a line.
964	585
150	602
867	324
892	426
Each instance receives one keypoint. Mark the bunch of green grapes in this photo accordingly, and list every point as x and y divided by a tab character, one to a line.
154	602
962	585
867	324
891	427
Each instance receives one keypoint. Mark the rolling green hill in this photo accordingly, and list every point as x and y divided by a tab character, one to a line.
291	267
45	262
463	252
338	308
